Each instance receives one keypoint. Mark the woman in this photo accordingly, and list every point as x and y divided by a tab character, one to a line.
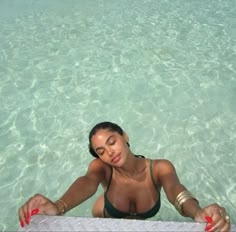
131	183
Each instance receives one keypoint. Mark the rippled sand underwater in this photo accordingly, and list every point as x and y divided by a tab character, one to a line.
164	71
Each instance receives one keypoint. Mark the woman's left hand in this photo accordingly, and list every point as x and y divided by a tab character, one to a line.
216	217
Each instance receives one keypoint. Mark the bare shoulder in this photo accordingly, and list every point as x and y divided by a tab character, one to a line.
97	165
99	168
163	167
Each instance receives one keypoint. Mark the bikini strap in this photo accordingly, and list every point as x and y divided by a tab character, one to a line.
153	181
109	182
105	194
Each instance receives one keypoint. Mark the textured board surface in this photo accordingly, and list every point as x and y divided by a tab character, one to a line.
62	223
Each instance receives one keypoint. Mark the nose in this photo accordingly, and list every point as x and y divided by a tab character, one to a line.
110	151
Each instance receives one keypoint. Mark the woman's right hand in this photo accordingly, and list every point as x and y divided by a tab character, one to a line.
38	204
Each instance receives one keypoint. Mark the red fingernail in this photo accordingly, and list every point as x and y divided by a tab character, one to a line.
22	223
209	219
27	220
208	227
35	211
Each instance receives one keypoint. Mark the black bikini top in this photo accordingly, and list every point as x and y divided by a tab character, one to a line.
116	213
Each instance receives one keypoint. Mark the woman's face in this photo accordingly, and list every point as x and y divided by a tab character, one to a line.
110	146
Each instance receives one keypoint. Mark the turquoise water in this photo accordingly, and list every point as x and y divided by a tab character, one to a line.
164	70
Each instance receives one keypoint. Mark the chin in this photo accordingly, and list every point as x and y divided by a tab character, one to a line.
119	164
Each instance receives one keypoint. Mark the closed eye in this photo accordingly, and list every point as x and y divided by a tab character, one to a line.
100	151
112	142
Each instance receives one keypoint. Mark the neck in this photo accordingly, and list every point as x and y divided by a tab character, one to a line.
133	166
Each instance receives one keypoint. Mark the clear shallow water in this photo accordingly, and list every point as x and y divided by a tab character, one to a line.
163	70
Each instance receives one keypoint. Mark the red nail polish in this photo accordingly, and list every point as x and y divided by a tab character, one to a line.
35	211
22	223
27	220
209	219
208	227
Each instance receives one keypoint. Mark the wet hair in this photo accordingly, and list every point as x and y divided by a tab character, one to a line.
103	126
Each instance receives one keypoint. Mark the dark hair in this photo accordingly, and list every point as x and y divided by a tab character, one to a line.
103	126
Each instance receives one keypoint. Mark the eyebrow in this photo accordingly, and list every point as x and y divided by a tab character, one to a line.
105	142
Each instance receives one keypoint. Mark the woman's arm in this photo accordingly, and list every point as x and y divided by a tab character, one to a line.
83	188
172	187
214	215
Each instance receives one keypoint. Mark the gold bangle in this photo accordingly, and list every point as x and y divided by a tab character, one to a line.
181	199
62	206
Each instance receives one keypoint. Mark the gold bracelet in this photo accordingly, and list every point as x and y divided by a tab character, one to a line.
62	206
181	199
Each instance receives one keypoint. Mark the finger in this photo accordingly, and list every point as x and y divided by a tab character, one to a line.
222	209
225	228
218	224
209	219
21	217
24	215
26	209
226	219
33	207
209	223
34	211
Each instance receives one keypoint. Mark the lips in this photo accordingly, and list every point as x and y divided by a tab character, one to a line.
115	159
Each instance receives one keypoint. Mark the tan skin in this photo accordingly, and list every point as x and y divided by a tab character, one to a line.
131	183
